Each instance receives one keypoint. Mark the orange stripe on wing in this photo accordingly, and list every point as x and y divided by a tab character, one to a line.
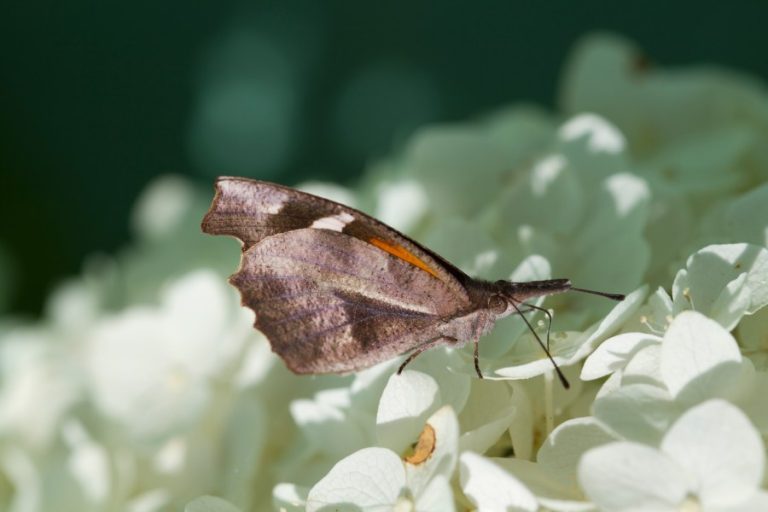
403	254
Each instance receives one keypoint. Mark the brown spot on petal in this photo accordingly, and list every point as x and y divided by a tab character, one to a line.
424	446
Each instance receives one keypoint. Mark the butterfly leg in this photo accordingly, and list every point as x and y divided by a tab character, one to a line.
477	358
476	341
531	307
440	340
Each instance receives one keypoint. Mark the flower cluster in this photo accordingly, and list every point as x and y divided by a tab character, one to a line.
145	388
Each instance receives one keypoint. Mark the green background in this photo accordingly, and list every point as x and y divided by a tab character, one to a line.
97	98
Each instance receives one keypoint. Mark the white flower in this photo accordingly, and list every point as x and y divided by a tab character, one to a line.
162	206
439	158
417	442
655	379
338	421
379	479
40	382
330	428
734	221
615	353
700	360
551	477
712	458
656	107
401	204
153	369
697	135
76	474
724	282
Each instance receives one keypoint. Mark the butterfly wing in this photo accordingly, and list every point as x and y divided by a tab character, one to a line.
252	210
330	302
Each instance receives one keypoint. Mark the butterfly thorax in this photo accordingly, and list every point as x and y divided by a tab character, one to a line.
468	327
488	304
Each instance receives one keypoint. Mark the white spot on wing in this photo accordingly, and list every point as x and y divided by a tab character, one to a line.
271	202
273	208
333	222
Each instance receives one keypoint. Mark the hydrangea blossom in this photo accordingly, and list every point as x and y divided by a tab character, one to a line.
710	459
144	387
415	454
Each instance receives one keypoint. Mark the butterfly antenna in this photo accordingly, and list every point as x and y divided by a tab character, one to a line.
560	375
614	296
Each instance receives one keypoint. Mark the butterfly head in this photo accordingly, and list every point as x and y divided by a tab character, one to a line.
503	297
507	297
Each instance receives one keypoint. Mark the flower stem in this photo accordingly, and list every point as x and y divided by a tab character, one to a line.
549	413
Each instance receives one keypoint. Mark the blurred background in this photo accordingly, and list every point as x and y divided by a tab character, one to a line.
98	98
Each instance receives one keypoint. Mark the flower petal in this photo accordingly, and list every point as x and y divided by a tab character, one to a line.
723	282
328	426
615	318
242	447
490	488
626	476
405	405
371	478
699	358
289	497
440	457
716	442
637	412
437	496
561	452
734	220
614	353
483	437
541	481
454	386
644	367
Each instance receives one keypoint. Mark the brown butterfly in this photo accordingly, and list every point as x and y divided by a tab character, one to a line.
335	290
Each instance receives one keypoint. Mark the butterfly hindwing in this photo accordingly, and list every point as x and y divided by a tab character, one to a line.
329	302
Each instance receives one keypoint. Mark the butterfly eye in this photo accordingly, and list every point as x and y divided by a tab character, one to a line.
497	304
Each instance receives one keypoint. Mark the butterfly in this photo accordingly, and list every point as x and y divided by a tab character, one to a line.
335	290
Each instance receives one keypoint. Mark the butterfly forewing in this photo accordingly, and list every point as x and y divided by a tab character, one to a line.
253	210
330	302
